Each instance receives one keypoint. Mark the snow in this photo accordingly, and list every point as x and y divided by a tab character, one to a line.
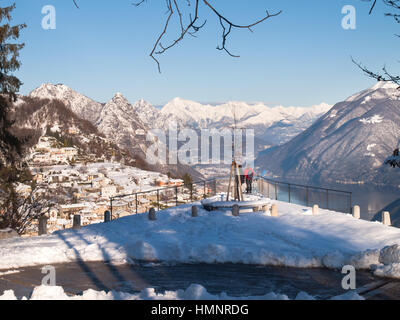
193	292
294	239
369	149
367	99
386	85
8	295
333	114
372	120
9	272
123	176
190	113
380	90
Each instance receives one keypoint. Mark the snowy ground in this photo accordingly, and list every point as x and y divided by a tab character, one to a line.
296	238
194	292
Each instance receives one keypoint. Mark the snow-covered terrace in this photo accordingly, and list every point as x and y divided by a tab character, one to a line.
295	238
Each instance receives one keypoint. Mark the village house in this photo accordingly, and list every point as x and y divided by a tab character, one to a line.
58	157
100	182
108	191
38	178
176	182
162	183
73	130
120	205
70	152
41	158
46	143
65	211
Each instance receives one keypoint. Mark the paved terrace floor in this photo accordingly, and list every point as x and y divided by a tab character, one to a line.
234	279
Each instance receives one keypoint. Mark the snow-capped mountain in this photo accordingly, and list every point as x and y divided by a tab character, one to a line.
118	120
128	124
257	116
36	117
348	144
273	125
146	112
81	105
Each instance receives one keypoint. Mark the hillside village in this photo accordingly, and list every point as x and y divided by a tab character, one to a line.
83	184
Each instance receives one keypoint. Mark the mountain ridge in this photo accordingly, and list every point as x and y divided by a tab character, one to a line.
348	144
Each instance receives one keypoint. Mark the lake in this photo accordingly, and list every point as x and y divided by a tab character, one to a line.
371	199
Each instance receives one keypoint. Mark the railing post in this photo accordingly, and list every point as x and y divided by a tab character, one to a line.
42	225
111	207
194	211
205	190
191	192
351	200
307	196
158	199
176	195
107	216
276	192
215	187
76	221
152	214
289	192
327	199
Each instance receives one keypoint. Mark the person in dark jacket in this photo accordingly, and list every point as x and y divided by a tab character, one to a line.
249	175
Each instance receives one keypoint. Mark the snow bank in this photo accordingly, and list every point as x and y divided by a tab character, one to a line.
294	239
194	292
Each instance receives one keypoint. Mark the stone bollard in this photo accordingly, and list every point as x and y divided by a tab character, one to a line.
386	218
107	216
274	210
152	214
76	222
235	210
356	212
315	209
42	225
194	211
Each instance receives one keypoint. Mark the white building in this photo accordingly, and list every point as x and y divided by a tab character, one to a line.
108	191
46	143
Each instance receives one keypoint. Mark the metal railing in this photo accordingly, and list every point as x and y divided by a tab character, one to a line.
331	199
172	196
166	197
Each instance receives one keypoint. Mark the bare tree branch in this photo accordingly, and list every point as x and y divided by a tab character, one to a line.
174	10
385	75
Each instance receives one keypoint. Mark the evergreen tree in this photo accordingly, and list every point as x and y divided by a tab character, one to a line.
16	211
187	180
10	146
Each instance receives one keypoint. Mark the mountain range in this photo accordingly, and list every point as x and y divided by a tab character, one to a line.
346	145
272	125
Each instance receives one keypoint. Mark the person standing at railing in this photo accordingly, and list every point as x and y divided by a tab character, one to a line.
249	175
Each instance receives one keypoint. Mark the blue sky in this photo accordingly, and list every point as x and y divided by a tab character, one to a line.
300	58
